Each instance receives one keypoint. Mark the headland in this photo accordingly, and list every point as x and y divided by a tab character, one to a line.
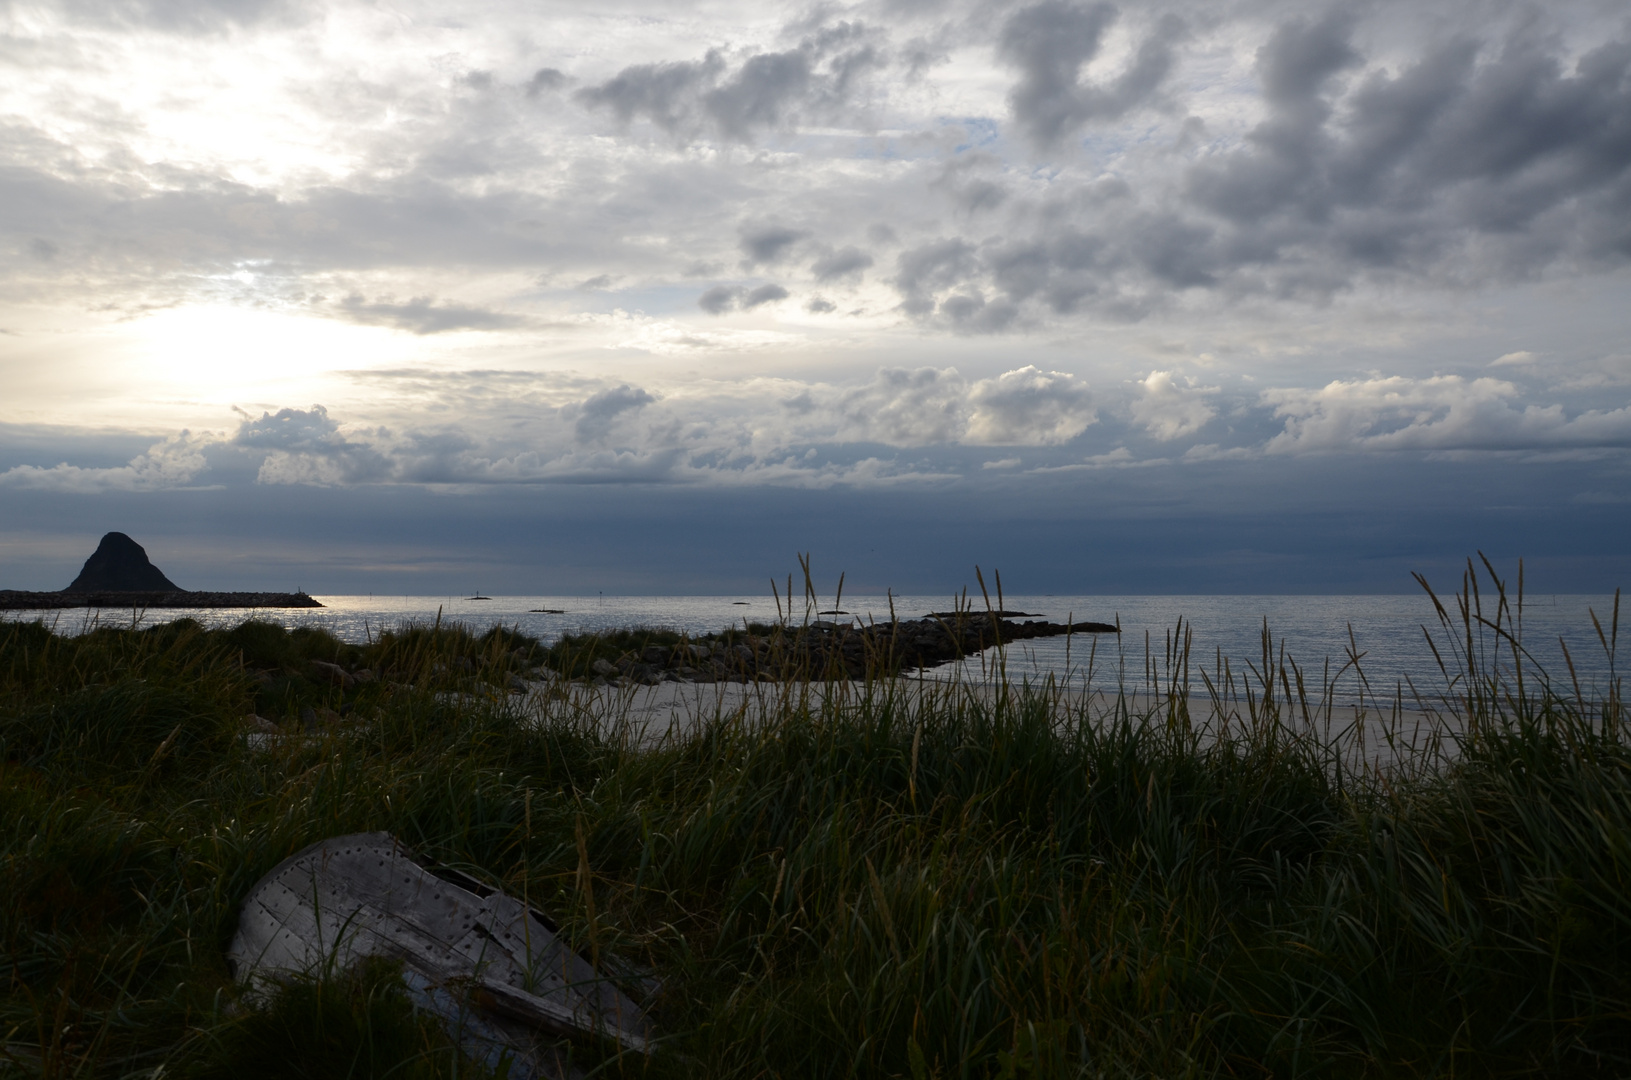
119	575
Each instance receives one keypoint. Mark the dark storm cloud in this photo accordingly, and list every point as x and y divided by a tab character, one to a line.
722	298
764	92
761	95
718	300
306	446
844	263
1472	163
764	294
769	243
1051	42
1501	143
664	94
598	411
422	315
545	79
291	429
928	268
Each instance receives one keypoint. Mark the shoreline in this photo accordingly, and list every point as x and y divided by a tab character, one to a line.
650	713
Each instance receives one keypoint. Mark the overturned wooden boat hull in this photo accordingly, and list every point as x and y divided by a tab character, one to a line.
486	962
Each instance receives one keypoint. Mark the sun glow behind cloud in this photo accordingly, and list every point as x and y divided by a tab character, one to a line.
201	360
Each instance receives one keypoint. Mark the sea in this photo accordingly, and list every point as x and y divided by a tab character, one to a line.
1348	646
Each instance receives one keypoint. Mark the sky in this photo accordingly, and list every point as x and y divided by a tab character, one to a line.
1181	297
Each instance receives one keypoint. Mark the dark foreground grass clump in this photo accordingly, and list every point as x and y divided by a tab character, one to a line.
354	1023
904	882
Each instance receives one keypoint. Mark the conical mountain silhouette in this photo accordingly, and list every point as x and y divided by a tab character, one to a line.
120	565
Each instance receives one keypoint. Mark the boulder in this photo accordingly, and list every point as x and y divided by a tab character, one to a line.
334	673
315	719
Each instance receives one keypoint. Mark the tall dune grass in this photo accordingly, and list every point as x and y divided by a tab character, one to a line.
1206	878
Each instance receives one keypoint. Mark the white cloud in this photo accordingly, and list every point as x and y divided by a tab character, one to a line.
282	467
1445	412
174	462
1023	407
306	446
1171	409
1213	452
1580	373
1028	407
1119	458
907	408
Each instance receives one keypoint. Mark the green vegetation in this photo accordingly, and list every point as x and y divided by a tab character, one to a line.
904	883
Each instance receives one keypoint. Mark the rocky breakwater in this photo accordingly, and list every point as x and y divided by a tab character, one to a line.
13	600
814	650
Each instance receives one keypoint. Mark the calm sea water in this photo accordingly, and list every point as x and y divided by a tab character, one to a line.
1387	630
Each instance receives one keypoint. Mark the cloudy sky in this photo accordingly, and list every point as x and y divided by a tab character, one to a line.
637	296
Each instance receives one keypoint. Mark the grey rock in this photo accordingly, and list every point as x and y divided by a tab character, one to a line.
333	673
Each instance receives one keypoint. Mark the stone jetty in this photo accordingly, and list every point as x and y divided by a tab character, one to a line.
823	649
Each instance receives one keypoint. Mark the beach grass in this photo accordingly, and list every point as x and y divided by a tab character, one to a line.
1210	877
